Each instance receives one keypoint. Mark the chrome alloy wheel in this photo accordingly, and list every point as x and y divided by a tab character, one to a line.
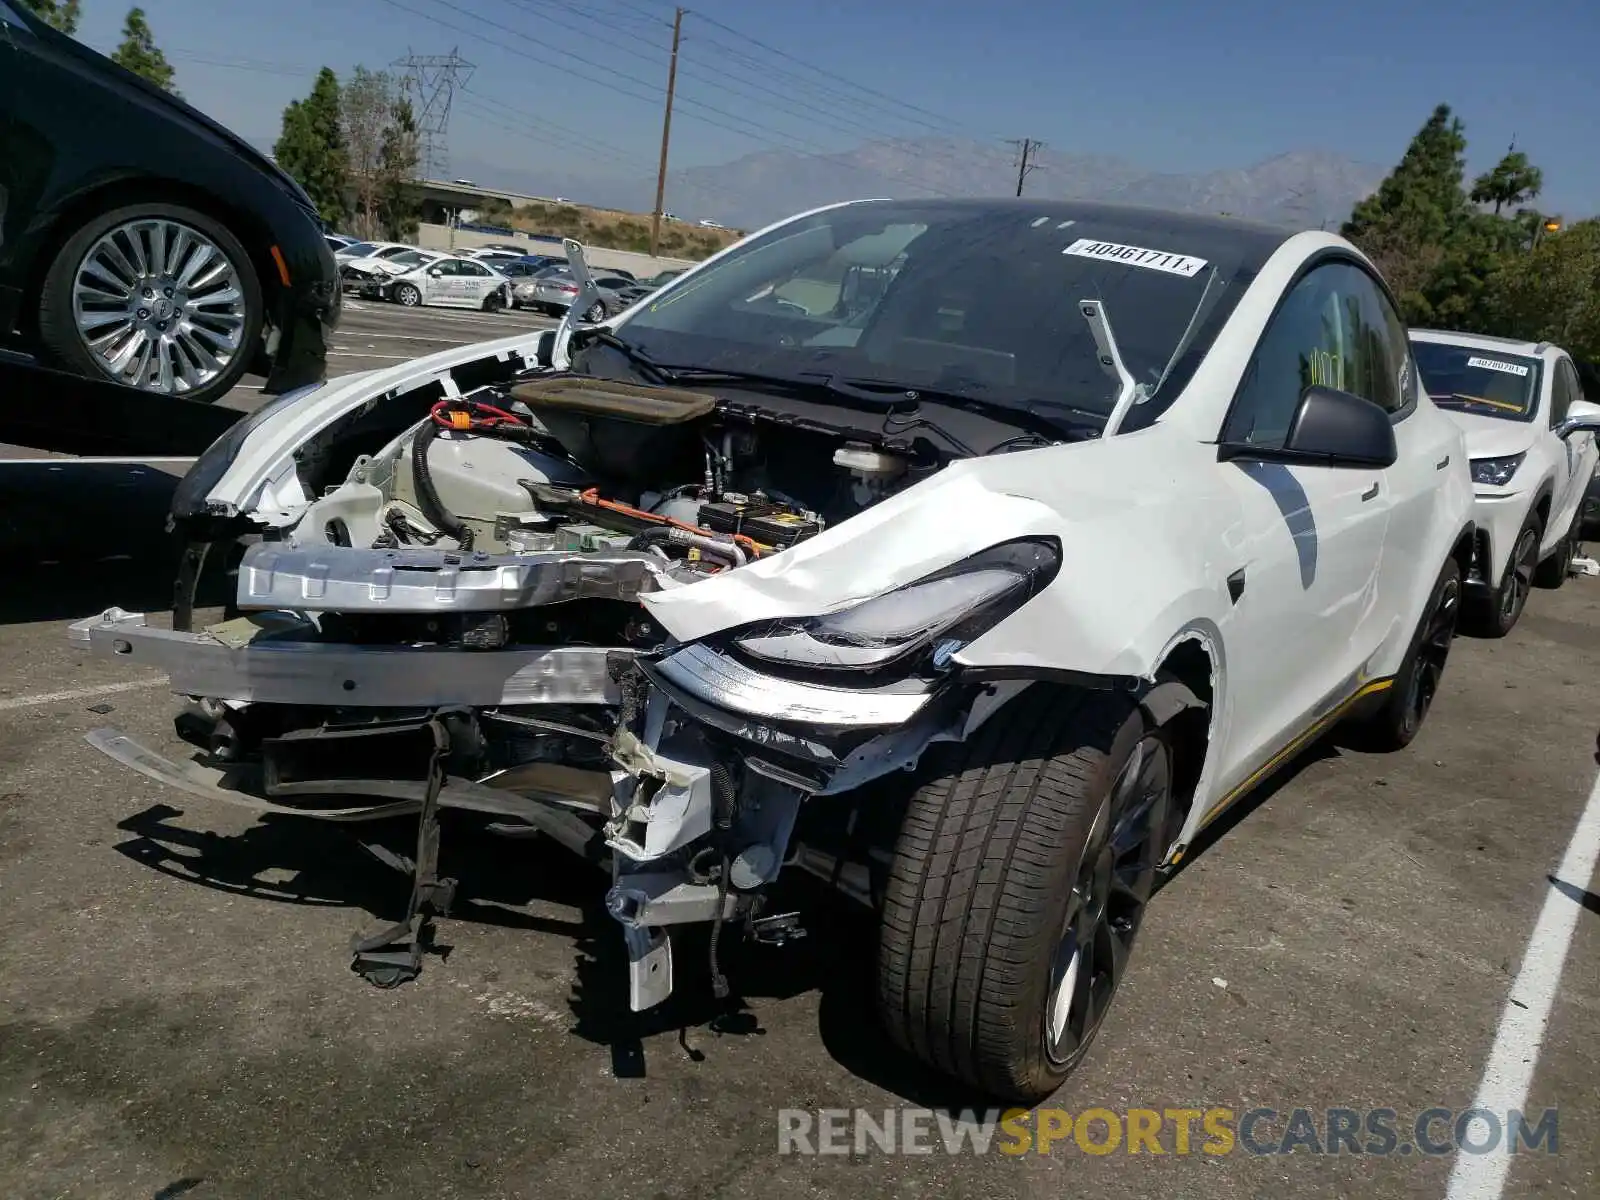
1519	575
159	306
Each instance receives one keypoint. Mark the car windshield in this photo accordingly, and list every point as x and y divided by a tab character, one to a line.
1472	379
976	300
361	250
410	258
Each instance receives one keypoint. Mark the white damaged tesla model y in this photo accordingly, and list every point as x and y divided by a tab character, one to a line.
974	555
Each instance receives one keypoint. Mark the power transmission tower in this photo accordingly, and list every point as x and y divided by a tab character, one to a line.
429	82
1027	154
666	135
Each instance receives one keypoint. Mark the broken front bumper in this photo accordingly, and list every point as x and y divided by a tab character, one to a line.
709	761
262	660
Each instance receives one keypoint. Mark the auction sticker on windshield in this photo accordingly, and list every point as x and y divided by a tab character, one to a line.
1494	364
1137	256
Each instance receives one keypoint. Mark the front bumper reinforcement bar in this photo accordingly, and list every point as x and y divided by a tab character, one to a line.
272	669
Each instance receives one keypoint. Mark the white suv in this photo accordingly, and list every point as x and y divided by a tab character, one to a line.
978	604
1519	405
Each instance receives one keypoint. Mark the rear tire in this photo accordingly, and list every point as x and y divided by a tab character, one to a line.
1410	697
596	313
1018	883
67	346
1494	615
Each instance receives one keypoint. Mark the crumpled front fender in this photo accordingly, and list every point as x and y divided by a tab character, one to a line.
1135	569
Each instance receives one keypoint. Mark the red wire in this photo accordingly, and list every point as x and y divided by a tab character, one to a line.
497	416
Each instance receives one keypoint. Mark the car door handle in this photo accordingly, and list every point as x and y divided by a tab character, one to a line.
1442	463
1370	493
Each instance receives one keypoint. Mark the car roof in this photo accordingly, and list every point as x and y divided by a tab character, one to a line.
1484	341
1250	243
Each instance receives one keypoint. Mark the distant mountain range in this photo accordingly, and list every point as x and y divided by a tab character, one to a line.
1301	188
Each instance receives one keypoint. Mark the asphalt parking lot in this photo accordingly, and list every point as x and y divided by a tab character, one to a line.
177	1016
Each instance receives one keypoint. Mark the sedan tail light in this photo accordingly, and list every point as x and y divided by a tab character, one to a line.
569	289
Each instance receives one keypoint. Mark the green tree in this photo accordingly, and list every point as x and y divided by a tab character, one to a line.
366	111
398	212
1513	181
1551	292
139	53
60	14
1422	196
1436	250
311	147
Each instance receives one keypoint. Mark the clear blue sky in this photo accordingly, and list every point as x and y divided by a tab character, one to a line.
1166	84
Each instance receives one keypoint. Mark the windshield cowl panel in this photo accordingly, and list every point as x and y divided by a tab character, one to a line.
963	300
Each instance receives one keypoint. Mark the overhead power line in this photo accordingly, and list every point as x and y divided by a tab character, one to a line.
731	122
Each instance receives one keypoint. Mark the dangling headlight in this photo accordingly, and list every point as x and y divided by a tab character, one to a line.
942	612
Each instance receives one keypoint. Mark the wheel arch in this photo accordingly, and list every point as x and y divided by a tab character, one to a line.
1462	548
1187	695
110	194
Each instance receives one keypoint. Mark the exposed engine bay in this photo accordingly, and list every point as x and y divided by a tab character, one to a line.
458	623
578	464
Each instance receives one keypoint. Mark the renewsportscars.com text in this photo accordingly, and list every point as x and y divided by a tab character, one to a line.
1214	1131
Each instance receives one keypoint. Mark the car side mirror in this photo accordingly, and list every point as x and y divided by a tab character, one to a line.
435	272
1330	428
1583	416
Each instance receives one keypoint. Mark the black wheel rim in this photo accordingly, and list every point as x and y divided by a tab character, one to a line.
1432	651
1519	575
1116	874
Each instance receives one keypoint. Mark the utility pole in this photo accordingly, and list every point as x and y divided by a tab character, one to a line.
1027	151
666	135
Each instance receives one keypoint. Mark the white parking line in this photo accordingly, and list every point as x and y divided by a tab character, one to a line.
357	354
408	337
1526	1017
83	693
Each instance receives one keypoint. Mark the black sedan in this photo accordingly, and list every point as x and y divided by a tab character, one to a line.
142	242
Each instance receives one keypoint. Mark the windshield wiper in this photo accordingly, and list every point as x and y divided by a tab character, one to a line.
891	395
600	335
1022	416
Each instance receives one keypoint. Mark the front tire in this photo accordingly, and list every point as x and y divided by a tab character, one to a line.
1018	883
1553	571
407	296
154	296
1496	614
1411	695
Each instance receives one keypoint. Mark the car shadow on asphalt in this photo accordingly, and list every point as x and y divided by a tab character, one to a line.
309	863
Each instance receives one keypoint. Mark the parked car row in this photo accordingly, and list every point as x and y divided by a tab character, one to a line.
490	277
